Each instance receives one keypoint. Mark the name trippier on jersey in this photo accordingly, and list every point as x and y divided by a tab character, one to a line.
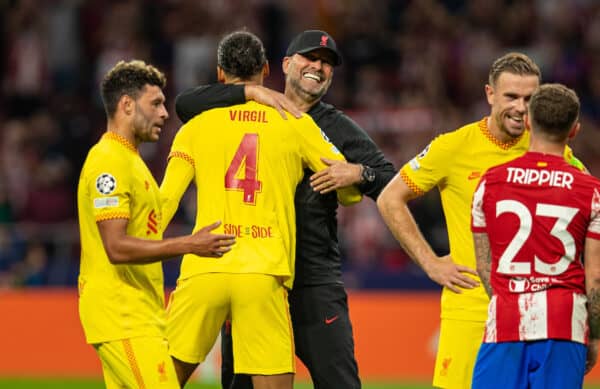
538	177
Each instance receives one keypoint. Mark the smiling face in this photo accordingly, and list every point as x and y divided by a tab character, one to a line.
149	114
508	99
308	76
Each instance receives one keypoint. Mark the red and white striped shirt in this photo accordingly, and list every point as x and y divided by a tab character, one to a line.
537	211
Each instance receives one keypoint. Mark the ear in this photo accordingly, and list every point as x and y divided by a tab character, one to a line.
266	70
220	75
126	104
285	65
574	130
489	93
527	121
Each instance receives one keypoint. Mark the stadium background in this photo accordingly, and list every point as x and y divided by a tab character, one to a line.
412	69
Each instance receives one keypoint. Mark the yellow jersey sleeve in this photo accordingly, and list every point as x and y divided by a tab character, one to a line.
178	175
430	167
315	145
108	188
182	144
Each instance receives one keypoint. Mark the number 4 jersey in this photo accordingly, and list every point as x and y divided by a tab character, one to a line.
537	211
246	161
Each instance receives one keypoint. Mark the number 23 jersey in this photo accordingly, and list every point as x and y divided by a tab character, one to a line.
537	211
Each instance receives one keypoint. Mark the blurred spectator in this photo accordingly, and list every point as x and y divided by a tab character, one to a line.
64	45
16	163
31	271
25	82
12	251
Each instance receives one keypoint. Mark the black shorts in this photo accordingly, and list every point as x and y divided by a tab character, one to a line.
323	339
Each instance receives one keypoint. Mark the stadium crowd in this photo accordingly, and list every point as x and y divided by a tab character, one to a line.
412	69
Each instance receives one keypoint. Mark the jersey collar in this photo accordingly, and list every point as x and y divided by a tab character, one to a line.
110	135
503	145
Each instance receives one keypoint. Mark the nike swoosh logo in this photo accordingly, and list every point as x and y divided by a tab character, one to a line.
331	320
474	175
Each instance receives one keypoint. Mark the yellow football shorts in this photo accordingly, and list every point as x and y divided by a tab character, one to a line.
457	351
140	363
257	305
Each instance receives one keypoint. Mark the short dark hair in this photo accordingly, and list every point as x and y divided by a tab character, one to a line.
241	54
515	63
128	78
553	110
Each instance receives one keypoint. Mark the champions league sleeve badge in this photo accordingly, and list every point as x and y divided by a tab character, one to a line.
414	163
106	183
423	153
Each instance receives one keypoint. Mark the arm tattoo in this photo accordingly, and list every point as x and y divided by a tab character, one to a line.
593	296
484	260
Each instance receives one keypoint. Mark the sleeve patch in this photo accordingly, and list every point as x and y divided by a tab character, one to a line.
106	202
414	164
106	183
423	153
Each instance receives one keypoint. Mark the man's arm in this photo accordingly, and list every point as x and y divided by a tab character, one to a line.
483	256
194	101
362	154
592	286
178	175
125	249
393	206
337	175
316	149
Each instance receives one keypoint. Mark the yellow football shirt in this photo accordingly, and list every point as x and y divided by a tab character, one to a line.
246	161
118	301
454	162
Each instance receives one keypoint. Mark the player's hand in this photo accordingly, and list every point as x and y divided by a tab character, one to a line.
207	244
450	275
592	355
338	174
272	98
